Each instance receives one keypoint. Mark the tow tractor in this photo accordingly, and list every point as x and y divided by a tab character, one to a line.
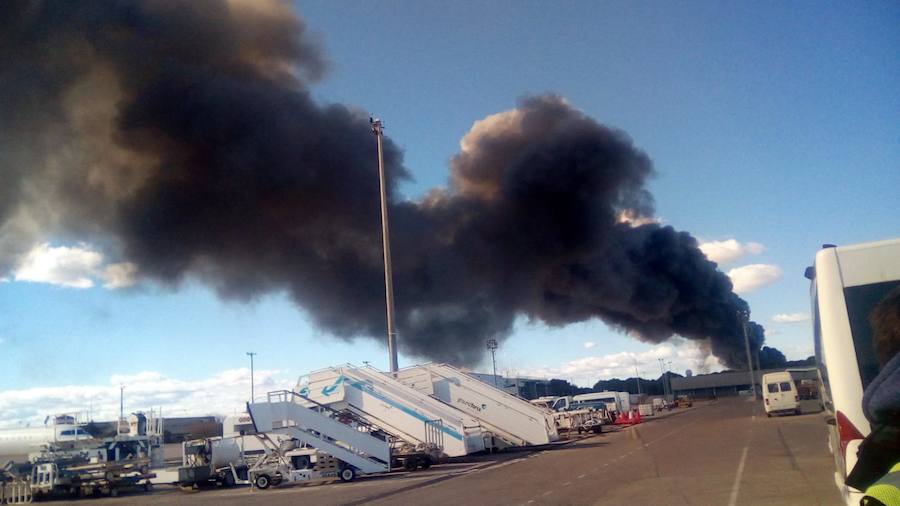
292	463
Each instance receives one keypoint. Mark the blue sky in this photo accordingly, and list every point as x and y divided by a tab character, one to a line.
773	123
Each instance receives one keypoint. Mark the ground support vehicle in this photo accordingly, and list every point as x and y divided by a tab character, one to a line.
324	443
212	461
568	420
780	395
403	412
846	284
60	477
88	467
298	465
683	401
580	420
411	457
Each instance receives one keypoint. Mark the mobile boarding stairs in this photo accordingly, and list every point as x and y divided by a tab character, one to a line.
294	415
408	414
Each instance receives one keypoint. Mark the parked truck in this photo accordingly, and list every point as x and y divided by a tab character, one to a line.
610	401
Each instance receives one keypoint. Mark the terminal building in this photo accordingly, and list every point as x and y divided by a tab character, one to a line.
731	382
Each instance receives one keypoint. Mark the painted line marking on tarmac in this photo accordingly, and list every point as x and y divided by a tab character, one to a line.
566	484
580	476
545	494
737	478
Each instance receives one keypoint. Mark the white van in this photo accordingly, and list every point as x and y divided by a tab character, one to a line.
780	394
847	283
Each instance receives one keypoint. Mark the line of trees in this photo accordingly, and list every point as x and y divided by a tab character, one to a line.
769	358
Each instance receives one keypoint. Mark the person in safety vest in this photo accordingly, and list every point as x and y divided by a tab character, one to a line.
877	471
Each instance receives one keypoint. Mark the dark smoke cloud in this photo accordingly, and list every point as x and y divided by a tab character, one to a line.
181	136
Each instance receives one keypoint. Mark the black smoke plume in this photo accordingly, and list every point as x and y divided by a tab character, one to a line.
181	136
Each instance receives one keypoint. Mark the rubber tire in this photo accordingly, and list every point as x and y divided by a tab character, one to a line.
597	429
410	463
798	411
769	415
262	481
425	463
347	474
228	479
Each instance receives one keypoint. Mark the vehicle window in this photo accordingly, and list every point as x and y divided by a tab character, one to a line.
860	302
67	433
785	386
773	388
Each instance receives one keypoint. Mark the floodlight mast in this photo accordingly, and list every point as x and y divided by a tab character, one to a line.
377	129
492	346
745	317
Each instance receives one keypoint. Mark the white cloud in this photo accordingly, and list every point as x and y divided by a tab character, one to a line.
64	266
221	394
589	344
586	371
727	251
73	267
754	276
790	317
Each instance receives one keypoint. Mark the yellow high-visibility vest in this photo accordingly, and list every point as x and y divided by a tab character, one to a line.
885	491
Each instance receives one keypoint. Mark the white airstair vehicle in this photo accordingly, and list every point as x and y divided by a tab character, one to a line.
514	420
284	412
406	413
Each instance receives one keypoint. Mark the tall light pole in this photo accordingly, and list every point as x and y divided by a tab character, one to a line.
745	316
121	409
637	376
669	380
251	354
663	377
492	346
377	129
